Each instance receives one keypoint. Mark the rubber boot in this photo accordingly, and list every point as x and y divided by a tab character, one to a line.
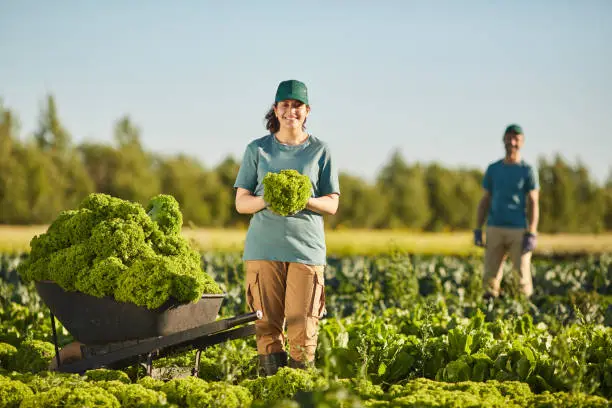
270	363
300	364
488	296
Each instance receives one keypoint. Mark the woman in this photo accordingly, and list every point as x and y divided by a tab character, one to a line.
285	257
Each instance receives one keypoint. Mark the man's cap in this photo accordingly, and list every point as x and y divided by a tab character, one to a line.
292	89
514	128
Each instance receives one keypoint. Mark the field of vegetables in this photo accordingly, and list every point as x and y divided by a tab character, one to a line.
401	331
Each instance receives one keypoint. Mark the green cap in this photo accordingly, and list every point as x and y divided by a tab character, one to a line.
292	89
514	128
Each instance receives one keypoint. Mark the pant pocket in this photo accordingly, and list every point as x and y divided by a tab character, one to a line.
253	294
318	299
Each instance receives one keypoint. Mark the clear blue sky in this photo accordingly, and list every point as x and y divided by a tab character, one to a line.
437	79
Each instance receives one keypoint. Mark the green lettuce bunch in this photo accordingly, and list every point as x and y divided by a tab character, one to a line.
114	247
13	392
33	356
287	192
7	354
195	392
284	384
71	398
132	395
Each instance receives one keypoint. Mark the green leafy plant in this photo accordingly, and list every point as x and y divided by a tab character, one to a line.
400	343
112	247
33	356
13	392
287	192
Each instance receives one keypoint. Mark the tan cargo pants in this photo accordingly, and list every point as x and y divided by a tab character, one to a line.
291	294
499	243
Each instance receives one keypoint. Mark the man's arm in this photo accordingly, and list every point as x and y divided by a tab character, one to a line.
483	209
327	204
533	210
247	203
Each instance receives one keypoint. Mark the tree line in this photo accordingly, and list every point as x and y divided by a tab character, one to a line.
46	172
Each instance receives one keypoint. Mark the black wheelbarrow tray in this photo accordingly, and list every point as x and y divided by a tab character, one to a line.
118	334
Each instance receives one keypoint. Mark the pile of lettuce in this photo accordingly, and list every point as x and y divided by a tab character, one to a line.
287	192
118	248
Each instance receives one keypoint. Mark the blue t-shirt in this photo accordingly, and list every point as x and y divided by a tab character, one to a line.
299	237
509	185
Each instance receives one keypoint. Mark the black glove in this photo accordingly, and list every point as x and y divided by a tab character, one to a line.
478	237
529	242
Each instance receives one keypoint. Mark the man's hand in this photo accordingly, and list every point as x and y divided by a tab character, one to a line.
478	237
529	242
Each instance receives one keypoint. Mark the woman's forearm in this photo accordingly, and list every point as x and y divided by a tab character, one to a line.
324	205
249	204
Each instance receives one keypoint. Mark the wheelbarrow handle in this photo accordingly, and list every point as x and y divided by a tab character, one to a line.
245	318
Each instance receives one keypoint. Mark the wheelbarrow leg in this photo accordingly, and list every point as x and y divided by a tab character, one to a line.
146	362
196	369
57	351
150	364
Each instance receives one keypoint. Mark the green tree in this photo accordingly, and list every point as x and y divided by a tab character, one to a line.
453	196
361	205
8	130
47	174
51	135
442	197
13	182
608	201
546	179
218	196
182	177
44	184
101	162
590	212
406	191
72	183
226	172
135	177
467	193
558	201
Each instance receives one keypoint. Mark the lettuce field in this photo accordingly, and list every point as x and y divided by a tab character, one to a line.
400	331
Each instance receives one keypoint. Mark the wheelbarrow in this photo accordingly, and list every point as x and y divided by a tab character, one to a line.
116	335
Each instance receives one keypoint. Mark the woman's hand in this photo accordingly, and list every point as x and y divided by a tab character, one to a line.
327	204
247	203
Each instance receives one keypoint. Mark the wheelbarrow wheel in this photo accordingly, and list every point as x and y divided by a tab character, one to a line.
68	354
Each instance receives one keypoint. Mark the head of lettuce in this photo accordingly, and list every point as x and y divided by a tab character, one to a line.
287	192
114	247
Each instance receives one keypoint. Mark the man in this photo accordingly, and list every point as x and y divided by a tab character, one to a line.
510	204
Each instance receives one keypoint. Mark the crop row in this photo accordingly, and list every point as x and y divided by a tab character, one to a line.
401	331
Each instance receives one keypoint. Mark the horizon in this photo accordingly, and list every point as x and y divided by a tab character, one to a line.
437	81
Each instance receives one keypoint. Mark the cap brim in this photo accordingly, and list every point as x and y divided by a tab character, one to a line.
295	97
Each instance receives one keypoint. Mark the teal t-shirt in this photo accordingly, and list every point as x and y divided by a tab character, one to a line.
299	237
509	185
